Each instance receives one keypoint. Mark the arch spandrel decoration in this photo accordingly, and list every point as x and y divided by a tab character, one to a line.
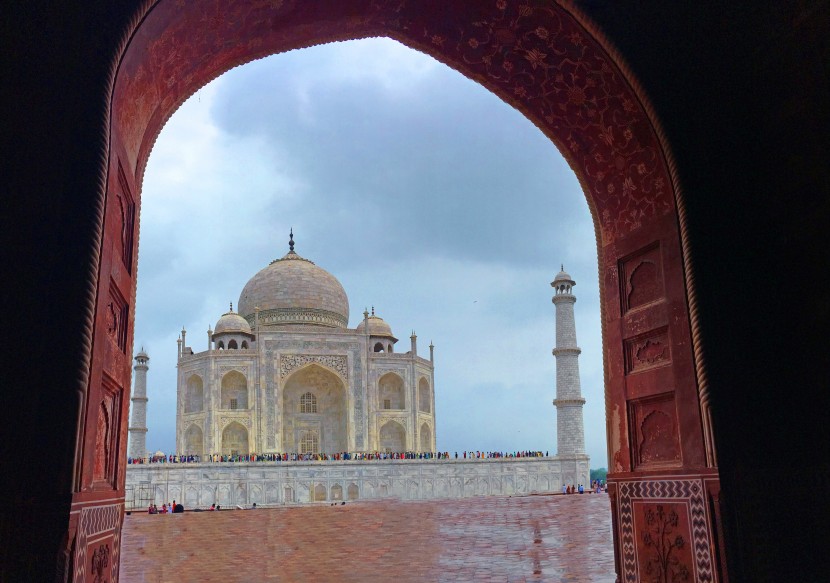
292	363
552	65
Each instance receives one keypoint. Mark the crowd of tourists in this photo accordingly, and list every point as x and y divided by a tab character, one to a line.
341	456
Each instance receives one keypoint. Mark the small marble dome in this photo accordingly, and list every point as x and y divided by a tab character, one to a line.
563	276
232	322
294	291
377	326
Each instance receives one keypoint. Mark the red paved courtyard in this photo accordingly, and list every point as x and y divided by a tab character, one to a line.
533	538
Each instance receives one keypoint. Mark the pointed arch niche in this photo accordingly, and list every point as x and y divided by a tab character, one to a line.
234	391
392	437
194	441
550	63
391	394
235	439
424	396
314	411
195	394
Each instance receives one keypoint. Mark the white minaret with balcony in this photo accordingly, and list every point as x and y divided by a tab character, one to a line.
570	429
138	420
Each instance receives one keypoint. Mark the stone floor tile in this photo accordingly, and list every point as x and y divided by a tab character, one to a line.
504	539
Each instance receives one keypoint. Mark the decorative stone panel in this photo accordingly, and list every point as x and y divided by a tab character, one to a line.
116	317
648	351
654	432
291	362
126	208
224	421
664	529
641	278
94	553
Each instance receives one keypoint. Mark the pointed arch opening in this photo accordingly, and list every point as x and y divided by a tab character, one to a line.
604	126
234	392
392	437
194	441
235	439
195	394
426	437
391	392
314	402
424	396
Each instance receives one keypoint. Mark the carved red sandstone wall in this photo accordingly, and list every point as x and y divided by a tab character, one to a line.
541	59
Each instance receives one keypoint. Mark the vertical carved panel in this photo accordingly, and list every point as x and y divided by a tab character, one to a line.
117	312
126	205
641	278
104	468
100	563
103	447
664	542
654	431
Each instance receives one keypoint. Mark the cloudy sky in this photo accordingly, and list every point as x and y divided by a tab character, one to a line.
423	193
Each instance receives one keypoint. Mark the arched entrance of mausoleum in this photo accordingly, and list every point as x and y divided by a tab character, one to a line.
314	412
548	62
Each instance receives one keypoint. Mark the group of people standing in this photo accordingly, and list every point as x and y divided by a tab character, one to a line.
597	486
172	509
340	456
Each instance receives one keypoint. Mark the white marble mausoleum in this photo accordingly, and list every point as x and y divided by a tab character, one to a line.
285	373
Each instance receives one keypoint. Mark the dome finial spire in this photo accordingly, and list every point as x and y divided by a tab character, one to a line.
373	310
561	267
291	240
231	306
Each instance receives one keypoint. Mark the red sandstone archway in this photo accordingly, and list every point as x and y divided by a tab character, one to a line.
548	62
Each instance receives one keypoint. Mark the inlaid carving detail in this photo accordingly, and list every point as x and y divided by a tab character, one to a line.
664	529
666	556
100	562
225	421
291	362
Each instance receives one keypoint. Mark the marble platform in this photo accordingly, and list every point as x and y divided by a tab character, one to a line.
199	485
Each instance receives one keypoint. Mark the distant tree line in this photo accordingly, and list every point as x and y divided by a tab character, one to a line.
599	474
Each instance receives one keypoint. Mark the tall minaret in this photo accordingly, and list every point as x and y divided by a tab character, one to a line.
570	430
138	422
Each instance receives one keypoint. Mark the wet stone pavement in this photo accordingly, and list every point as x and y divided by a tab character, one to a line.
559	538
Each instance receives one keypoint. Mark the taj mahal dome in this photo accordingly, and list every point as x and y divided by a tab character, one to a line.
285	373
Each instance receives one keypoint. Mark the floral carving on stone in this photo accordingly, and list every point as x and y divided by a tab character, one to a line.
100	561
651	351
664	542
291	362
225	421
